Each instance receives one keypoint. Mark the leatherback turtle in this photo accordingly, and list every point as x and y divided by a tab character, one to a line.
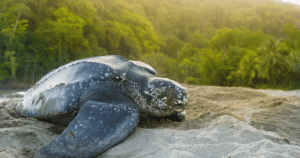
100	100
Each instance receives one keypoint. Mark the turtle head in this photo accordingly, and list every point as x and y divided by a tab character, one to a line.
165	97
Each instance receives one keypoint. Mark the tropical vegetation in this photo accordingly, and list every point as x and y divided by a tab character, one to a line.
205	42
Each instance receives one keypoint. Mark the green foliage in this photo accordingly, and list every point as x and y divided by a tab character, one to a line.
9	67
293	36
247	19
223	39
63	37
249	39
142	29
4	71
193	80
211	69
171	46
12	64
248	67
12	31
11	27
84	9
188	51
129	34
232	62
164	66
274	65
198	40
157	61
168	67
119	37
229	42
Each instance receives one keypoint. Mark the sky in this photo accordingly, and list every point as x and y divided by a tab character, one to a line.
292	1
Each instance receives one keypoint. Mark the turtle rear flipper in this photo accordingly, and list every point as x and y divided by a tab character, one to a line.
97	127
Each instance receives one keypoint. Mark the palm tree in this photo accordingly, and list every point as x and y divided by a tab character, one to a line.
273	63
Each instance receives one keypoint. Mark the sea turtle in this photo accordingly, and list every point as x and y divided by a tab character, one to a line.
100	100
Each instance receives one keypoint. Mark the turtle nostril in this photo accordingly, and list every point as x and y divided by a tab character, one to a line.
178	105
183	105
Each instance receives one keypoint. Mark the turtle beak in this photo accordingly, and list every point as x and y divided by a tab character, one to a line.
181	102
178	107
179	110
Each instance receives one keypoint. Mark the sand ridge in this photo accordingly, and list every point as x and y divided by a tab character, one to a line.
271	113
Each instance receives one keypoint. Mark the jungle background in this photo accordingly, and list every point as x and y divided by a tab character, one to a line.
250	43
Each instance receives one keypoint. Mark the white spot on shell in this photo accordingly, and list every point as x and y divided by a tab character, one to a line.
185	99
164	98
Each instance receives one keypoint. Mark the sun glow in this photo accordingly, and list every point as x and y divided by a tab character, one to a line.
292	1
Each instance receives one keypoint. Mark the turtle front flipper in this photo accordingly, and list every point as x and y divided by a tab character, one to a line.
97	127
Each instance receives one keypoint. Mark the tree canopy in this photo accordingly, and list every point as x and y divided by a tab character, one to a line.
228	42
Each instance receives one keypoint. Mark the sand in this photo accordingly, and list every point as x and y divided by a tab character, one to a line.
220	122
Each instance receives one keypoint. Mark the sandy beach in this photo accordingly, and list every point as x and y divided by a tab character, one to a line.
220	122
